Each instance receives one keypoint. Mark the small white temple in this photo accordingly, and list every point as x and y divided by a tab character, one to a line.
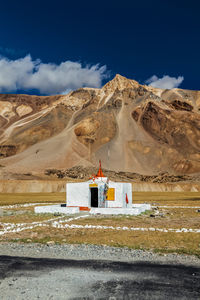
98	195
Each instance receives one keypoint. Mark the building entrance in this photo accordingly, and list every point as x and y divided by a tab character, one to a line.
94	197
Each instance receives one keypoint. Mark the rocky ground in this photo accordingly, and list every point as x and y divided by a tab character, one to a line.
95	252
130	127
32	271
83	173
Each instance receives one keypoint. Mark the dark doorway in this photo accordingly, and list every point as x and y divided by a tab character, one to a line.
94	197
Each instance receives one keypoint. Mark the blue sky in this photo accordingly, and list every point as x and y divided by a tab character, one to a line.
137	39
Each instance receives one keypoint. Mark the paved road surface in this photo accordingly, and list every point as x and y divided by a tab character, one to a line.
41	278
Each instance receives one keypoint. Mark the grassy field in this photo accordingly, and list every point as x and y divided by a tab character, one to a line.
183	243
170	217
167	218
168	198
162	198
20	198
26	217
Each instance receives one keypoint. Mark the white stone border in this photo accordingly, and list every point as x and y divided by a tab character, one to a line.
88	226
57	224
12	228
166	206
23	205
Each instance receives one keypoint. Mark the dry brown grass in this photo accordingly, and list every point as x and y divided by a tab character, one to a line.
168	198
161	198
173	218
161	242
28	217
22	198
27	208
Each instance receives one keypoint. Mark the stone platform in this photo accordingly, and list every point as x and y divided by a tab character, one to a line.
136	209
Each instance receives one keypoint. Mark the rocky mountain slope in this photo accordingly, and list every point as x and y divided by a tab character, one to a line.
130	127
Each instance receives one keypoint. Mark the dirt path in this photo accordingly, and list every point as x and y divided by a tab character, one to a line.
32	271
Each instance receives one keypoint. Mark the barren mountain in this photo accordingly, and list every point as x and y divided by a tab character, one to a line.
130	127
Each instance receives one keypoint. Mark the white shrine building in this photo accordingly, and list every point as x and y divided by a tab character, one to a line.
98	195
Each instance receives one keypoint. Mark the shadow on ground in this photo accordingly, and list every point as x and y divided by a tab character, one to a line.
106	279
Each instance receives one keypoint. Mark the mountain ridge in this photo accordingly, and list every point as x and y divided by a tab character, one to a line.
129	126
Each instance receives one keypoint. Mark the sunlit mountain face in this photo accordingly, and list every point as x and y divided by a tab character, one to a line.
130	127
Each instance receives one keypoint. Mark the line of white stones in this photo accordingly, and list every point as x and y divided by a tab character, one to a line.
13	228
23	205
87	226
167	206
56	224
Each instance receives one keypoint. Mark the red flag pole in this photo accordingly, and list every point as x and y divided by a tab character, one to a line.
126	200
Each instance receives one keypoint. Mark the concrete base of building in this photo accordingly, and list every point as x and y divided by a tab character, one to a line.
135	210
52	209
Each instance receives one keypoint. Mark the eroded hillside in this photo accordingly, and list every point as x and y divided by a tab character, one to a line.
130	127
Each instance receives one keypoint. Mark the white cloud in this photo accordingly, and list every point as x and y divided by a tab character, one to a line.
166	82
47	78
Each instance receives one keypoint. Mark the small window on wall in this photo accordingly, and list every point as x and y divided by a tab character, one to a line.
111	194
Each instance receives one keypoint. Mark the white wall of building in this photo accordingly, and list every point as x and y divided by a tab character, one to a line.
121	189
52	209
118	202
78	194
127	189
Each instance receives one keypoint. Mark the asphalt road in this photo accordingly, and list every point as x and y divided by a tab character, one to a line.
41	278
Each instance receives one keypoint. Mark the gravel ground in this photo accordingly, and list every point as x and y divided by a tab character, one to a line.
95	252
36	271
